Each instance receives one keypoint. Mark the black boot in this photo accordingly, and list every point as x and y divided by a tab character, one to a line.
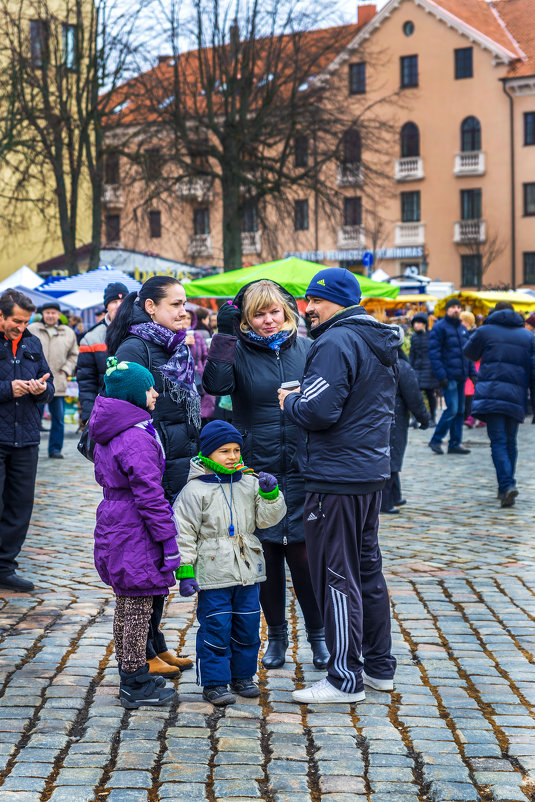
320	655
140	688
275	653
160	682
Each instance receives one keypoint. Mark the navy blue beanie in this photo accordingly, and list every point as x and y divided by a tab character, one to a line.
216	434
335	284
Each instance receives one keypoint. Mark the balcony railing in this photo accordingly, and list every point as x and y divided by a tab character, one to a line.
470	231
469	163
349	175
251	242
199	188
351	237
112	196
410	168
200	245
409	234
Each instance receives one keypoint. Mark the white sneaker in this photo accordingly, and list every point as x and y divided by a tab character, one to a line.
378	684
323	693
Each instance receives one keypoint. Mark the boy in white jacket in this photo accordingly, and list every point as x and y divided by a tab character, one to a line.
218	512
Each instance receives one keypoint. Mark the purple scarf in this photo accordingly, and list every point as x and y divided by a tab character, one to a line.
179	372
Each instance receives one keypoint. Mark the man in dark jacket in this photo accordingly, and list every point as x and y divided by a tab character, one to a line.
25	382
344	409
94	352
446	342
507	353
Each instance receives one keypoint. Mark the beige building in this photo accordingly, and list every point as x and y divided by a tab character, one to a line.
456	192
30	229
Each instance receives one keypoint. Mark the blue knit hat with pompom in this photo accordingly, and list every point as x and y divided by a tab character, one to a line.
128	381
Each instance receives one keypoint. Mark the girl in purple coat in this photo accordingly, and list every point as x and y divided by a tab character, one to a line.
136	550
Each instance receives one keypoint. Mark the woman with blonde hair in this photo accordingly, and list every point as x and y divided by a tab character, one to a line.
255	350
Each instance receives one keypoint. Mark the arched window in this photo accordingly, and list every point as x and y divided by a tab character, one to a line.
410	140
470	134
351	147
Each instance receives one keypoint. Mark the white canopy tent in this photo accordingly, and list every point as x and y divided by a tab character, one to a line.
23	277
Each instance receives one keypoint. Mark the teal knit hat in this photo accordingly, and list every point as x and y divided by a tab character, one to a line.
128	381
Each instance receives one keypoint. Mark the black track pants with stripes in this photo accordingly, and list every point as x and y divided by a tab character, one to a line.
346	569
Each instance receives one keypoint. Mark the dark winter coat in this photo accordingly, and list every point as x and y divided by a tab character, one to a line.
408	399
420	362
91	366
19	417
199	352
252	373
180	438
346	405
507	369
134	520
446	342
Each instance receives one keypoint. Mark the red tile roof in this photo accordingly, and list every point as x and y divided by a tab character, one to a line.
143	96
519	18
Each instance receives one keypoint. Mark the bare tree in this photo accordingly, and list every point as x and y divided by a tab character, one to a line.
250	108
485	254
58	56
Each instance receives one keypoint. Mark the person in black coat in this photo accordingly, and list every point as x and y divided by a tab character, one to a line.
93	353
147	330
25	382
255	350
507	370
408	399
420	362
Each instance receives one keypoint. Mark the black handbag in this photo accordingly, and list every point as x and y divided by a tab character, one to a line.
86	446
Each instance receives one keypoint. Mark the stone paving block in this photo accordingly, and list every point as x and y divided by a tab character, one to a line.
238	770
73	794
33	784
508	793
342	784
78	777
229	788
130	779
182	792
179	771
289	783
392	787
127	795
456	792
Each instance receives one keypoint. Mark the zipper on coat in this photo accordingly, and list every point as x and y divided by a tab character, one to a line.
283	448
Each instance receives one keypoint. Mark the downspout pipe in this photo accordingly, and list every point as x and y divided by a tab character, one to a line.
513	183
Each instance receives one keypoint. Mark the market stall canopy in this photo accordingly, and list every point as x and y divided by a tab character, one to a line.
406	299
23	277
481	303
39	298
292	273
83	299
92	281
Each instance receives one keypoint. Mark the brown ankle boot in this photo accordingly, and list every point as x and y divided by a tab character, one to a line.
183	663
163	669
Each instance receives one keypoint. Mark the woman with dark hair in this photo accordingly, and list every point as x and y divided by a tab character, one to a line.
256	349
147	329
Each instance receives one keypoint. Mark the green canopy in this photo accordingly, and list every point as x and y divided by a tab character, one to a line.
291	273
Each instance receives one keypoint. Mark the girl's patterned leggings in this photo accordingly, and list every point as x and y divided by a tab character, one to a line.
130	628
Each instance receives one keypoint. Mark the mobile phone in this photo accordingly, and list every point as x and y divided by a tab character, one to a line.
293	385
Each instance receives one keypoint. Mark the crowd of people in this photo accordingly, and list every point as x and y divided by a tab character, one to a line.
229	448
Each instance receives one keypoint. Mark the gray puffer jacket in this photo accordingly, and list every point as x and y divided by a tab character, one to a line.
202	514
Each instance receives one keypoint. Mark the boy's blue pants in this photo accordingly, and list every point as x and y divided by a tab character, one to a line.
228	636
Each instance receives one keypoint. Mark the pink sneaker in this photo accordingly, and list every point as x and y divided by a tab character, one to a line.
470	422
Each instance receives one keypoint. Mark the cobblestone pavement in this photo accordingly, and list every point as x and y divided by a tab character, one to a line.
459	726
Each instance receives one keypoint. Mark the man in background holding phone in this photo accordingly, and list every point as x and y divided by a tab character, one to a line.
25	382
345	408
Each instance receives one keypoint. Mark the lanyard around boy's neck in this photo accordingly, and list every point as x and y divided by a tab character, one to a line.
229	505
